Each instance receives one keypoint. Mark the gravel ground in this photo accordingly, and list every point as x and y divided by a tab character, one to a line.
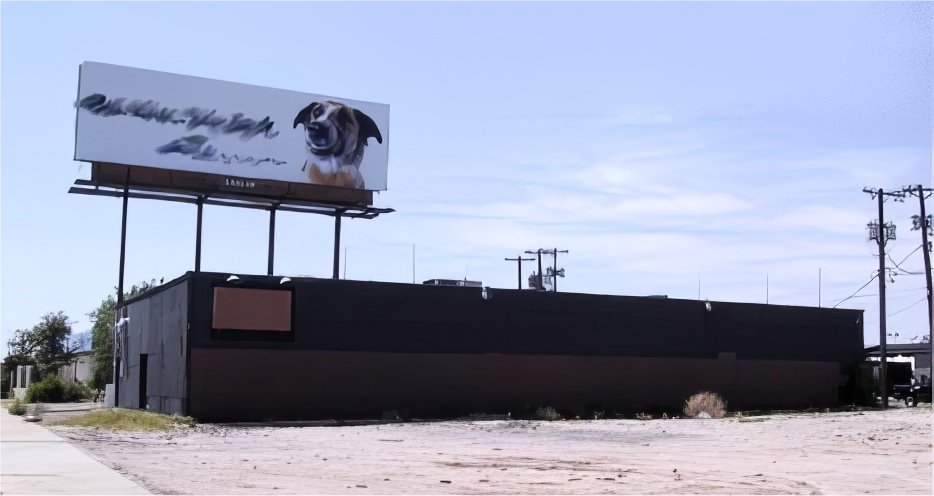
874	452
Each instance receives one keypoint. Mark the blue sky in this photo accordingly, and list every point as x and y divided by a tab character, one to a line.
660	143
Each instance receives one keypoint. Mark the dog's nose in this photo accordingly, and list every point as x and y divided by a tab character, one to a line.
315	126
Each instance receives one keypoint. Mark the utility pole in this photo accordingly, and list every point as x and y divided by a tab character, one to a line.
520	259
541	286
923	222
880	232
554	272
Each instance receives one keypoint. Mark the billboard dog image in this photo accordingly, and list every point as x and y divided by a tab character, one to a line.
335	137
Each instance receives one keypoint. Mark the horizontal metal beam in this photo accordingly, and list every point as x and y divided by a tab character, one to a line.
223	194
131	194
84	187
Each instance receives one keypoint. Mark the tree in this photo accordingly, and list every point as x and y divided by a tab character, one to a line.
102	338
46	345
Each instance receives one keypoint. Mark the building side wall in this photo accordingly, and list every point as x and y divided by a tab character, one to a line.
158	328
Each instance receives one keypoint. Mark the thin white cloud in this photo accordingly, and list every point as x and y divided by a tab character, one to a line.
888	167
819	218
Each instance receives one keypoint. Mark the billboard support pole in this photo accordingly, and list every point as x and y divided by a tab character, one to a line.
200	204
126	198
337	244
272	239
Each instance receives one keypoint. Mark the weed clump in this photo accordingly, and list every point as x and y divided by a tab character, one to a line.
547	413
120	419
17	408
705	405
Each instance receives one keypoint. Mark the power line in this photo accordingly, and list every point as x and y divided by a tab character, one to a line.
910	254
909	306
898	265
857	291
904	290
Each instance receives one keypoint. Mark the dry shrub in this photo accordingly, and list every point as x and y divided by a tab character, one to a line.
706	402
547	413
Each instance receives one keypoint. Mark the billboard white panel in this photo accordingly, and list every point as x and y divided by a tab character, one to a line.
169	121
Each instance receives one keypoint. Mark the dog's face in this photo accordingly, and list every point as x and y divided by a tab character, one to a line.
333	129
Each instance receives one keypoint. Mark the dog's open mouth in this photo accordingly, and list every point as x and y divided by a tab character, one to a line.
322	139
319	138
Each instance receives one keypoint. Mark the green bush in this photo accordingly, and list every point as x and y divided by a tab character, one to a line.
17	407
76	391
48	390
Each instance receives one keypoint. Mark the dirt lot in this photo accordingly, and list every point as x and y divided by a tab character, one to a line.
837	453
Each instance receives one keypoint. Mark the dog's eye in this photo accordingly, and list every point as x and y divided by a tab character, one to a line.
317	111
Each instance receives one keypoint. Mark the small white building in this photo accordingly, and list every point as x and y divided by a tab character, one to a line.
21	379
79	370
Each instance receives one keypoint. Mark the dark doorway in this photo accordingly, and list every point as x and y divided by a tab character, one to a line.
143	365
116	381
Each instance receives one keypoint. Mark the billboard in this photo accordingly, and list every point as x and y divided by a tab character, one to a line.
237	132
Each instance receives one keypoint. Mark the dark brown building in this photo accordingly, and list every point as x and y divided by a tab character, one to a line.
260	348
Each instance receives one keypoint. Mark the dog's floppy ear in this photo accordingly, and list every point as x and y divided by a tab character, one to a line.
303	115
367	127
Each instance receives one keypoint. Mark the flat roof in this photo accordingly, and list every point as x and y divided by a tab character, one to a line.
908	349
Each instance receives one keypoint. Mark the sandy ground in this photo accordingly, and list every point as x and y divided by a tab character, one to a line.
828	453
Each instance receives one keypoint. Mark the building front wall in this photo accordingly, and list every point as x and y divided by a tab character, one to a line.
409	318
79	370
258	384
357	349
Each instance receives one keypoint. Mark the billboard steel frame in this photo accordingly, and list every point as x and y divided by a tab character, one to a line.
85	187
